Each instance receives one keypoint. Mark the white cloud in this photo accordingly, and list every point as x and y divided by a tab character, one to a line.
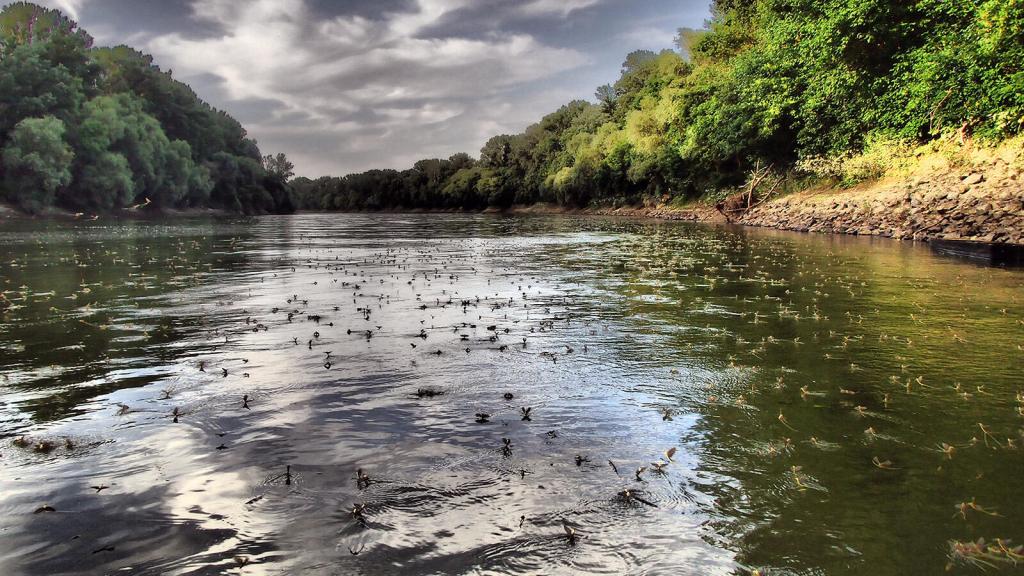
563	7
71	8
428	12
649	37
359	78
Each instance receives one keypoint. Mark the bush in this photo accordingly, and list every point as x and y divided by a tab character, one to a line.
881	156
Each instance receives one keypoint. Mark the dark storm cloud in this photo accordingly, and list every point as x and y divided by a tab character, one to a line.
350	85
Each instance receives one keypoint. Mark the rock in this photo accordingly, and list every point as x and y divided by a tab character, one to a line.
972	179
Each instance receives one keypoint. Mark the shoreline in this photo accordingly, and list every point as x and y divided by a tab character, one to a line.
975	220
980	204
8	213
968	194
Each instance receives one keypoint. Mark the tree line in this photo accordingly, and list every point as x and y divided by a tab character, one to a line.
96	129
766	83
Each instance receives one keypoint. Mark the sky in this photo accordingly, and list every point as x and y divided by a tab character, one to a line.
348	85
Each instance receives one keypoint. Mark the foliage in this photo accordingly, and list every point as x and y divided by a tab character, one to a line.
278	167
136	135
37	162
842	89
117	142
33	86
24	23
880	156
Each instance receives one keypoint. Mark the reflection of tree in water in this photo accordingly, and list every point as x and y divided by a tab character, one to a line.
821	417
118	304
811	385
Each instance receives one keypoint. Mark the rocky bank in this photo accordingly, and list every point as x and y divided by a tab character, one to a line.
980	205
978	199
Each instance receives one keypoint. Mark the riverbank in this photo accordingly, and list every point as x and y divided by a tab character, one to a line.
972	195
9	212
980	204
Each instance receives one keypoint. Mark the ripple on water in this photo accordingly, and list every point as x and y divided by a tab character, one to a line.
784	369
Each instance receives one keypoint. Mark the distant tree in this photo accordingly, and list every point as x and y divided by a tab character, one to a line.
636	59
105	182
497	151
36	162
495	189
461	188
686	39
278	167
461	160
725	8
231	175
607	97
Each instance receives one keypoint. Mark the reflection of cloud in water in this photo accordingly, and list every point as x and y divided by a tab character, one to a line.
639	337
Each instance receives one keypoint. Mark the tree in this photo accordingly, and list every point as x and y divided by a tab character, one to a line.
278	167
686	39
24	23
496	151
32	86
636	59
37	162
607	97
136	132
117	134
104	183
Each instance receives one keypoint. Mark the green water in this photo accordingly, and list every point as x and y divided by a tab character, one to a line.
809	384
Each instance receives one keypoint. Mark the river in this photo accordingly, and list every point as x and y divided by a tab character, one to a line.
455	394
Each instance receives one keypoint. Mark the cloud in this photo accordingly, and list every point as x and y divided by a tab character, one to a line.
344	86
563	7
649	37
354	77
71	8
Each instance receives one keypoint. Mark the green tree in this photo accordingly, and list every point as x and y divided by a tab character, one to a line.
103	183
37	162
115	134
32	86
136	132
24	23
278	167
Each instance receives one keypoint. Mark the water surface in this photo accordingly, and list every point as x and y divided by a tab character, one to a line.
839	405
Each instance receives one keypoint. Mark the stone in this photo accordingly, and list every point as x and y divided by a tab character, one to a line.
975	178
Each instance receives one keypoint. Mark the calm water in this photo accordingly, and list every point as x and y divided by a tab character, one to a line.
836	403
